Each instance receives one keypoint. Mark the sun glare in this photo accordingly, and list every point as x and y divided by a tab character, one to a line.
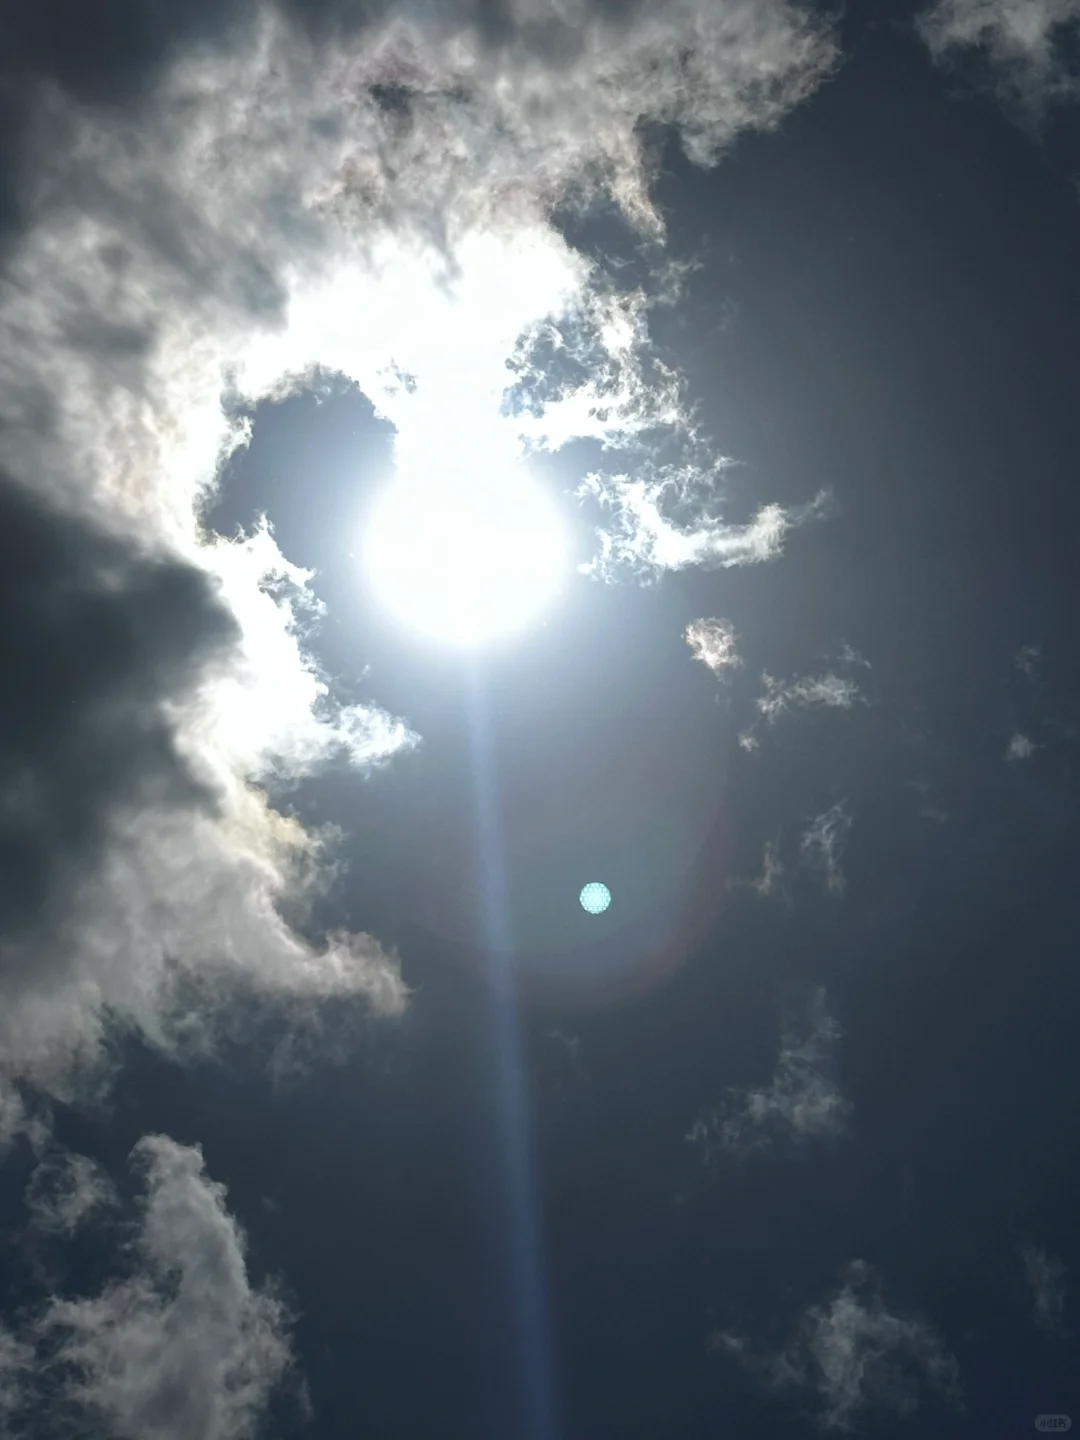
464	559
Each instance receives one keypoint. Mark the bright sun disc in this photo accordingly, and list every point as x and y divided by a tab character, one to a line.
464	560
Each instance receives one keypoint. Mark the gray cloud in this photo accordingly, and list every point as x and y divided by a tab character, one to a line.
1020	747
1029	661
65	1190
822	845
1046	1279
802	1103
855	1355
135	849
1021	40
181	1346
713	643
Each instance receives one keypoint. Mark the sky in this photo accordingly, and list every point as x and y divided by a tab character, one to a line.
451	455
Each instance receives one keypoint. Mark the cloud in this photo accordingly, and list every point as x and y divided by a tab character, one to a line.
201	243
713	642
855	1355
137	851
182	1345
64	1190
822	845
16	1119
1020	747
1046	1280
1021	39
16	1360
828	691
644	539
803	1102
772	868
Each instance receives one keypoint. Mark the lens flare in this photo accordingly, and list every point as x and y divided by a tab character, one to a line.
595	897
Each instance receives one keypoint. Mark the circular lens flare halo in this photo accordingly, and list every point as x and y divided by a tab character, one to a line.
464	556
595	897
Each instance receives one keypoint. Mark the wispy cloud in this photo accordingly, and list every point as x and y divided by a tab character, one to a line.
1020	747
644	538
1029	660
1046	1279
1023	40
828	692
803	1102
714	643
855	1355
65	1190
181	1344
768	883
822	845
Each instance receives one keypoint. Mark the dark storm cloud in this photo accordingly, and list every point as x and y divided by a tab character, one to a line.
97	642
111	822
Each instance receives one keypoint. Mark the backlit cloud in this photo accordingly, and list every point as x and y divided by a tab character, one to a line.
374	198
713	642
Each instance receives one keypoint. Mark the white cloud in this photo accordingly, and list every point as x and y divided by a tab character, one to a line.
1020	747
713	642
802	1103
822	844
643	538
1046	1280
828	691
1020	38
64	1190
855	1355
183	1345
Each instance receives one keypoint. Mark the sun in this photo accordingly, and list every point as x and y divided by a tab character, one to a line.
464	558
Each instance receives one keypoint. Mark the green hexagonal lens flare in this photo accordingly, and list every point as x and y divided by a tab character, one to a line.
595	898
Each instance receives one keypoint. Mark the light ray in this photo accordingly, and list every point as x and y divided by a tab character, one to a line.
522	1209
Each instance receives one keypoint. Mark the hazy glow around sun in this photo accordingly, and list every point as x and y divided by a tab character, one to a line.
464	557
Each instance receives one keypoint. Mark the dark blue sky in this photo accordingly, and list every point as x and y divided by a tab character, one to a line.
782	1143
